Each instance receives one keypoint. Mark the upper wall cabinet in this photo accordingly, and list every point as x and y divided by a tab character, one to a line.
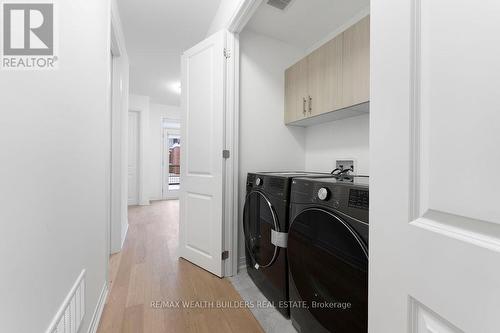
356	64
325	78
296	91
332	82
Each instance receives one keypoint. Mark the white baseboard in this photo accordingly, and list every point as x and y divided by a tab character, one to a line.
166	198
96	317
242	264
124	236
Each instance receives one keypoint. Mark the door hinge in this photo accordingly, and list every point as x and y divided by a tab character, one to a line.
226	154
225	255
227	53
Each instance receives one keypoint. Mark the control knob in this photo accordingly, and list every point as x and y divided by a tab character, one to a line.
258	181
323	193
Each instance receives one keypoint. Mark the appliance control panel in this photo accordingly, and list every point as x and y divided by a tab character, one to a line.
358	199
347	198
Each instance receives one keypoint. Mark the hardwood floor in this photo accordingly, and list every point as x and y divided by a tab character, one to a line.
149	270
114	264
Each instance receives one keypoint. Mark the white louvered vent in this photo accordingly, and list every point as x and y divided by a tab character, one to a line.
70	315
280	4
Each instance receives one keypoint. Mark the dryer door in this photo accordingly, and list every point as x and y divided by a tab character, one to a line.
329	270
259	219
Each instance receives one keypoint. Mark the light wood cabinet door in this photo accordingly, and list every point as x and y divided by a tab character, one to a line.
290	94
356	64
296	87
325	78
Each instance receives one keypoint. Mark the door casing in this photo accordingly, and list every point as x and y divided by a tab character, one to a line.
133	198
238	21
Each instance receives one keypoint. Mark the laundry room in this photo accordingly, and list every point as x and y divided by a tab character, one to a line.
304	113
276	40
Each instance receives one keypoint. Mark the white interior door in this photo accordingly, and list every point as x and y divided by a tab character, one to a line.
133	158
202	164
435	134
171	163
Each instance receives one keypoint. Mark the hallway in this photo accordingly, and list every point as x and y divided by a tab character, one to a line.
149	270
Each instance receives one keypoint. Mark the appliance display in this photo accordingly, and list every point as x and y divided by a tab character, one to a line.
328	254
265	225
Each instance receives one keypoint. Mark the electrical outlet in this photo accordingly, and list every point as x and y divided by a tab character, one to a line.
345	164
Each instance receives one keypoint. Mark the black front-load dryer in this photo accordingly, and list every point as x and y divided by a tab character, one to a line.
328	255
265	225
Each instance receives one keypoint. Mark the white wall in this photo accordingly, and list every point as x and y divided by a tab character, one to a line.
156	113
54	129
141	104
266	144
341	139
226	10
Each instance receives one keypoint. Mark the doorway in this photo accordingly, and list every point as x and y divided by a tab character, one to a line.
171	154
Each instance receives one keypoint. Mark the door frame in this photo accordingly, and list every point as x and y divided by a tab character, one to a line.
237	22
138	157
164	160
140	104
119	94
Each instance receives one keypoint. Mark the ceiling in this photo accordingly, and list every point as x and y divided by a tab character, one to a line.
155	75
156	34
305	22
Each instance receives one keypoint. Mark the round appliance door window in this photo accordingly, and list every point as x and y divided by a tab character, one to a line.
329	268
259	219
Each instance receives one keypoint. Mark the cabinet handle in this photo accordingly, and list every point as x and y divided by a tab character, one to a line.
310	105
304	105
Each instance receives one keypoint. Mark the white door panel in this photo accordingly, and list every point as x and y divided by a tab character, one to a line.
427	321
202	113
202	131
196	233
133	158
459	79
435	131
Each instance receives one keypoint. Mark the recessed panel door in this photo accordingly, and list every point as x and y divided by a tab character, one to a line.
434	223
202	163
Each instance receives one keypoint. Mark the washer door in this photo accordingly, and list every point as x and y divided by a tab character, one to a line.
259	219
329	268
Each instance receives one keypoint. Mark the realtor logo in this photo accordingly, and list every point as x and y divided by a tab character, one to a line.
28	29
28	36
